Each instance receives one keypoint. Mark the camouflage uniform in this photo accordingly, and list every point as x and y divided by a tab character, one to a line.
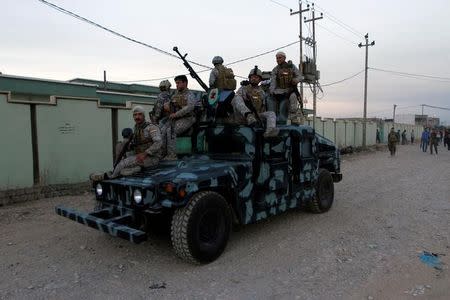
256	96
283	100
147	138
392	142
185	103
158	110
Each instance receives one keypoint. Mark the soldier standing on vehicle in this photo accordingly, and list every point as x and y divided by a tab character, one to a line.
146	141
158	111
392	141
251	99
284	79
223	84
181	118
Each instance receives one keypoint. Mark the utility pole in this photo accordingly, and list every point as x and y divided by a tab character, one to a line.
365	85
300	37
313	20
393	116
423	122
104	79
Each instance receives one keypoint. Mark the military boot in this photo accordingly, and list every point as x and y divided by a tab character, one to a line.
130	171
170	157
271	132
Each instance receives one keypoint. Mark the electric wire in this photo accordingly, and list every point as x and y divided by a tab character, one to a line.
334	19
412	75
337	35
231	63
345	79
280	4
436	107
72	14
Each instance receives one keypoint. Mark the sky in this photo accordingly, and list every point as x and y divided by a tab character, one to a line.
410	37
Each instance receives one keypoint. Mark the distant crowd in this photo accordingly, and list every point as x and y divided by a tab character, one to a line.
431	137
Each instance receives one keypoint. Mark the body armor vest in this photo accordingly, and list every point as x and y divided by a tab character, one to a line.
180	99
142	139
285	75
255	95
392	137
225	80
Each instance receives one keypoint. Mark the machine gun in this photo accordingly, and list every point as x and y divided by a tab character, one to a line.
190	69
128	134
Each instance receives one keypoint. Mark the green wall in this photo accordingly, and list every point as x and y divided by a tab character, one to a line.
16	158
74	139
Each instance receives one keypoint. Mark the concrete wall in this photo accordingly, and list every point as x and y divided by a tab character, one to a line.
74	139
417	130
16	158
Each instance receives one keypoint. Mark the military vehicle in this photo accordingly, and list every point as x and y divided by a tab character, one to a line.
233	175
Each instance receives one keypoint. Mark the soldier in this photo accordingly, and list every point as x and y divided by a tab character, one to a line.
158	111
147	142
221	80
283	82
182	119
251	99
433	142
392	141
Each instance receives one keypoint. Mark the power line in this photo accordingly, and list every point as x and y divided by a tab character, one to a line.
231	63
72	14
390	110
437	107
339	22
280	4
261	54
411	75
339	36
345	79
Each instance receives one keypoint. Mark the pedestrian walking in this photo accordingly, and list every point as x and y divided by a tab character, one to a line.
433	142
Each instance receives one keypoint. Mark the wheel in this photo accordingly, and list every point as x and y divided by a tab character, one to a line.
324	197
200	231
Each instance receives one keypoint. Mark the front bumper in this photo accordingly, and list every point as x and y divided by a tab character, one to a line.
105	221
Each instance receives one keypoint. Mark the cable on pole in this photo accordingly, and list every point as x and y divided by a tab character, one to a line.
345	79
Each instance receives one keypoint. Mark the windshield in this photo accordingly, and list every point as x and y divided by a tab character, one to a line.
226	140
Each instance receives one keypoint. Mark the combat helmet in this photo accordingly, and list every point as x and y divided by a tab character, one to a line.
165	85
255	71
217	60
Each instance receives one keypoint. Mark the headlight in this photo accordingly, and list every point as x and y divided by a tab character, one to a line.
99	189
137	196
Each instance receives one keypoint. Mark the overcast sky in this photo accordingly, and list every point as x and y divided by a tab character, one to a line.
411	36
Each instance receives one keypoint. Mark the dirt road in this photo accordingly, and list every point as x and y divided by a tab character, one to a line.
387	211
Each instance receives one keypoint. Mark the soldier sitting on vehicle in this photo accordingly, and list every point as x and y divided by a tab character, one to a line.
250	100
158	113
146	144
181	118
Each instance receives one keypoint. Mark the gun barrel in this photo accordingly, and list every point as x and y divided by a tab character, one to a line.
191	70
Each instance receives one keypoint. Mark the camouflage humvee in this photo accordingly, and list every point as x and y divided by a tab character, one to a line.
233	176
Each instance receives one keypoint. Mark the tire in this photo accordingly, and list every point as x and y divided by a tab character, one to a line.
323	200
200	231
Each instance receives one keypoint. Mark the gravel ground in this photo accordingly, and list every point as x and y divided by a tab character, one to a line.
387	211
